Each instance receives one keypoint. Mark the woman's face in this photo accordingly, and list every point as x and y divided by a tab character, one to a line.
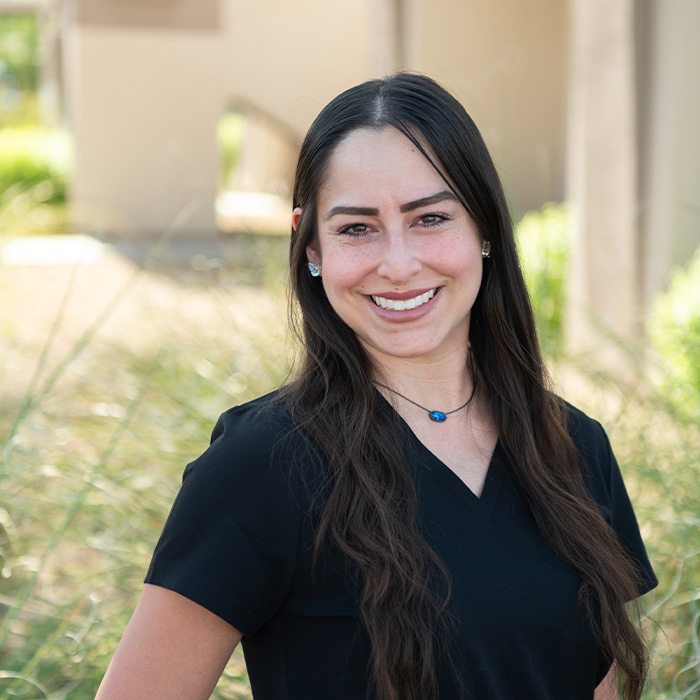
401	258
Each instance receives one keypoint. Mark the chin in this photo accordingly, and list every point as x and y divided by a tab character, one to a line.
400	351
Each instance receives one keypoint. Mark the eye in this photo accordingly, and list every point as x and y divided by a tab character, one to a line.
433	220
355	230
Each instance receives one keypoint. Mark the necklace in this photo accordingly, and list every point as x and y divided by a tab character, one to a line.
434	415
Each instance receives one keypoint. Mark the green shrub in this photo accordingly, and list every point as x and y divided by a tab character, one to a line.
230	132
543	244
19	68
674	330
36	159
19	50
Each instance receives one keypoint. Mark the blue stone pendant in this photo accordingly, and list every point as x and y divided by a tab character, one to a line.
437	416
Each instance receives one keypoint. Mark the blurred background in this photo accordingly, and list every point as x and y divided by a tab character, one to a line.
146	160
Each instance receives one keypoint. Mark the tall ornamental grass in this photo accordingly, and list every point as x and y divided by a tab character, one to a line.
96	430
106	401
674	329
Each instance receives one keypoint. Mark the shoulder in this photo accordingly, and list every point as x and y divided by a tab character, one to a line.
599	467
587	433
231	542
252	424
604	481
255	450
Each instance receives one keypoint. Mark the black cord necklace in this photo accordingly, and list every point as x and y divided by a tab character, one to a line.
434	415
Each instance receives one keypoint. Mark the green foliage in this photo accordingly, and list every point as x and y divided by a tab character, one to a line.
34	159
674	329
658	457
22	109
543	244
19	69
19	50
230	132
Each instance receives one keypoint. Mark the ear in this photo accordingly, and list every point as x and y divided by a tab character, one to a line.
312	254
296	218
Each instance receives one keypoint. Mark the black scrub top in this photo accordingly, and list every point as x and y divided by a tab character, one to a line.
238	542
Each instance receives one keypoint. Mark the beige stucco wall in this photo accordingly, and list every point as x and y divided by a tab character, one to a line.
290	58
149	81
633	175
144	100
602	167
143	112
140	14
506	61
670	144
284	61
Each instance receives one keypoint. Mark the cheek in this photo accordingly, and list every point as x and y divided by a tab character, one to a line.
456	258
347	271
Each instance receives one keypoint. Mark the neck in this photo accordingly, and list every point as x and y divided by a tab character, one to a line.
443	383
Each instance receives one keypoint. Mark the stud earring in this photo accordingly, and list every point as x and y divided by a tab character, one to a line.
486	249
314	269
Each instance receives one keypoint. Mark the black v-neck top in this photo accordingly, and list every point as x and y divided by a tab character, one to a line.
238	542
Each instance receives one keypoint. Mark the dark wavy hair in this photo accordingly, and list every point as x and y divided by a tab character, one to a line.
369	510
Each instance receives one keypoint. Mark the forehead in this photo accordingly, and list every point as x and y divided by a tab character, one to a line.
374	162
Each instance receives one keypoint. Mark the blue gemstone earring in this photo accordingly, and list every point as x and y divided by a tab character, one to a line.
314	269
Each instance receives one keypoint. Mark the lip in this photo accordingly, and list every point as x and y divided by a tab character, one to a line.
407	314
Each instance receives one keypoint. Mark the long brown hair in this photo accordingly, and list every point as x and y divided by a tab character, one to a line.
369	513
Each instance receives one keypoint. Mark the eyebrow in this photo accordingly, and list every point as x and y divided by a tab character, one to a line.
409	206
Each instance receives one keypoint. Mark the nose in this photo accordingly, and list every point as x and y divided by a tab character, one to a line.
399	261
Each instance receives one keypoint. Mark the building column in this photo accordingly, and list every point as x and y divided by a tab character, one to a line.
604	284
669	144
143	106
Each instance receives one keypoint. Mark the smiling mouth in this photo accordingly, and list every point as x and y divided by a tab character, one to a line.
403	304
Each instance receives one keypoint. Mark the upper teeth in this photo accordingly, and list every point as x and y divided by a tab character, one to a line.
403	304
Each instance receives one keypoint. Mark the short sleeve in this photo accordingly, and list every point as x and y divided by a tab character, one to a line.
230	541
605	483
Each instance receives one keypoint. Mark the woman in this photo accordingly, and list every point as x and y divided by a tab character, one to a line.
415	515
